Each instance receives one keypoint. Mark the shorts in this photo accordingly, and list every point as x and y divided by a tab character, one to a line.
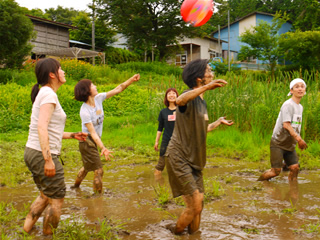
90	155
183	179
52	187
277	155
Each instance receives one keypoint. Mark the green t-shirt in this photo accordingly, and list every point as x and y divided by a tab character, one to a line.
190	133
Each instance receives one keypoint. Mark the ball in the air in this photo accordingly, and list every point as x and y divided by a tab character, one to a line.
196	12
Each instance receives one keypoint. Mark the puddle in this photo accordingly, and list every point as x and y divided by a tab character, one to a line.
248	209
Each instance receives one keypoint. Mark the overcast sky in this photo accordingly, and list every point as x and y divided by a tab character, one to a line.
45	4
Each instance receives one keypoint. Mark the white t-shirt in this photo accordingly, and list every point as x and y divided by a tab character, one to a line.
56	124
93	115
290	112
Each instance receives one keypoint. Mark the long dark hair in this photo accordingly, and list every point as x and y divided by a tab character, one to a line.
43	68
193	70
165	101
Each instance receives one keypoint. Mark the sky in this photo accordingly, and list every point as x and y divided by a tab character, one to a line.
45	4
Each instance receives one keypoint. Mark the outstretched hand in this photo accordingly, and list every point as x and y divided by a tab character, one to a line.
81	136
135	77
107	154
226	122
216	83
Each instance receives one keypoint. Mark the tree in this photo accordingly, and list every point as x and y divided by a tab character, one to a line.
147	23
61	15
16	30
263	42
104	35
302	48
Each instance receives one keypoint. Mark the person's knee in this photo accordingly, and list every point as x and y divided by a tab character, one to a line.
294	168
99	172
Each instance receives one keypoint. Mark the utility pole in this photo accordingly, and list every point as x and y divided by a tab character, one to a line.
229	40
219	48
93	30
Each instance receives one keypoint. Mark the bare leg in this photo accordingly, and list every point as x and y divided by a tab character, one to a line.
273	172
36	209
195	224
81	175
293	174
191	214
97	181
52	215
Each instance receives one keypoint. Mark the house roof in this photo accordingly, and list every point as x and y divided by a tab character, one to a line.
250	14
50	22
72	52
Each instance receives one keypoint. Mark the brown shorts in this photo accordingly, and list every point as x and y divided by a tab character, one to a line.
52	187
277	155
90	155
183	179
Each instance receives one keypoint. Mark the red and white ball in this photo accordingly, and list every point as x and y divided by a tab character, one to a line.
196	12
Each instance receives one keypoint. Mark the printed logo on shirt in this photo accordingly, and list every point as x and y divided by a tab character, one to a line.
206	118
172	117
296	122
98	112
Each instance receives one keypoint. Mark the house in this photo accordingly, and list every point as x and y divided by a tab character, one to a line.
52	39
238	27
197	48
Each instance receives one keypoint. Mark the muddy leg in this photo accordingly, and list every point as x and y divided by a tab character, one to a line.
273	172
52	215
36	209
81	175
195	224
193	209
293	174
97	181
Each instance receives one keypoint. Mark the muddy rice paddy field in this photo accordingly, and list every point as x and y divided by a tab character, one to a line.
242	209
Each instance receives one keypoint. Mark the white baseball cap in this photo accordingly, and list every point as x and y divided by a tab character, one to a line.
294	82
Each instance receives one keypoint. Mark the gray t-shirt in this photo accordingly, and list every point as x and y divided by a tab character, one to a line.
93	115
189	136
289	112
56	124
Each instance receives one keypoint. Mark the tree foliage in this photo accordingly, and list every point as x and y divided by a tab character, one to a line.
104	34
147	23
304	14
302	48
16	30
263	42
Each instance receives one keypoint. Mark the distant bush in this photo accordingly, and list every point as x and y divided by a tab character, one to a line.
151	67
119	55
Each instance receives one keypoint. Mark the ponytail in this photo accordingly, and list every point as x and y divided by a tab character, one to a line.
34	92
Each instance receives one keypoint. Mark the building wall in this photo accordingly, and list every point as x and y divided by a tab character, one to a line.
237	28
247	23
234	34
49	37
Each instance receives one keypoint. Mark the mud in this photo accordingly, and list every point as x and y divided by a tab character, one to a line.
247	210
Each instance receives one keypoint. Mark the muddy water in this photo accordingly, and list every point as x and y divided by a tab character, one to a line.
247	210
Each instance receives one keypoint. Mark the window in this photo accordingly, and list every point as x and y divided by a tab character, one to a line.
181	59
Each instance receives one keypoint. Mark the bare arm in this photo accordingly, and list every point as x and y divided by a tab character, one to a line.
215	124
98	141
123	85
157	141
184	98
81	136
301	143
45	114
